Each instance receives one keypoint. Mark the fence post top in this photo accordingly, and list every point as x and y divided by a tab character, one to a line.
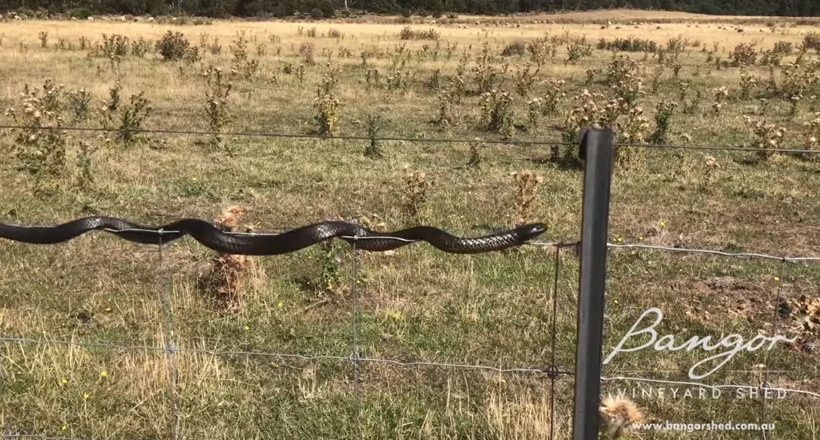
605	131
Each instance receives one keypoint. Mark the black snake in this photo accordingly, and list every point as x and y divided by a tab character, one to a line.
273	244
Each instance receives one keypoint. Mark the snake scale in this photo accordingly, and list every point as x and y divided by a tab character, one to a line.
273	244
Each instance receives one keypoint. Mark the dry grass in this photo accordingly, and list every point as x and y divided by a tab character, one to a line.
619	414
415	303
229	274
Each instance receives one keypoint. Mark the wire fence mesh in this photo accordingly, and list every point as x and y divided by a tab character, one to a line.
552	370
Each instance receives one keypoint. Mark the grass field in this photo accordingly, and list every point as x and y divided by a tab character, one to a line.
416	303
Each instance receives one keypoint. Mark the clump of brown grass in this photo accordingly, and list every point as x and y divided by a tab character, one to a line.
228	273
805	313
416	187
525	196
618	414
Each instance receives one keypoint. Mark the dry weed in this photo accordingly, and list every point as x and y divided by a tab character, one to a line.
617	414
229	273
525	197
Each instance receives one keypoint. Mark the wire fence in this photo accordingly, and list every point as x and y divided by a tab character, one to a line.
268	134
551	369
762	387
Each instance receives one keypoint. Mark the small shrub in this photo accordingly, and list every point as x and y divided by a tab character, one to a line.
132	118
416	187
215	48
448	114
113	46
812	41
747	83
329	113
216	104
84	180
524	78
721	95
783	48
497	112
474	160
630	44
307	50
409	34
525	196
540	49
657	73
767	137
663	122
40	145
242	65
374	125
691	106
771	58
78	102
173	46
401	81
140	47
620	69
576	51
534	112
744	54
675	47
515	48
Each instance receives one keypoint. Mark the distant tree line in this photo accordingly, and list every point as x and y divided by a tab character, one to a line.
327	8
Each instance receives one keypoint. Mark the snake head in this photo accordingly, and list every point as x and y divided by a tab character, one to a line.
531	230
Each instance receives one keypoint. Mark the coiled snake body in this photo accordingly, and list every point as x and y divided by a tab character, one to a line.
273	244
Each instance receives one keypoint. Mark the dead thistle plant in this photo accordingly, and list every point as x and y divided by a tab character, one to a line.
618	414
525	197
416	186
229	273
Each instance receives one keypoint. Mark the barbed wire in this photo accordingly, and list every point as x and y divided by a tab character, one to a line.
712	148
296	356
715	252
293	135
403	139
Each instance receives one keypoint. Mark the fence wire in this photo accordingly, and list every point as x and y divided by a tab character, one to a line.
354	290
268	134
171	347
356	358
764	385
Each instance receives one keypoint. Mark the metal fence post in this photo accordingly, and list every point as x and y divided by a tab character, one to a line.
596	149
